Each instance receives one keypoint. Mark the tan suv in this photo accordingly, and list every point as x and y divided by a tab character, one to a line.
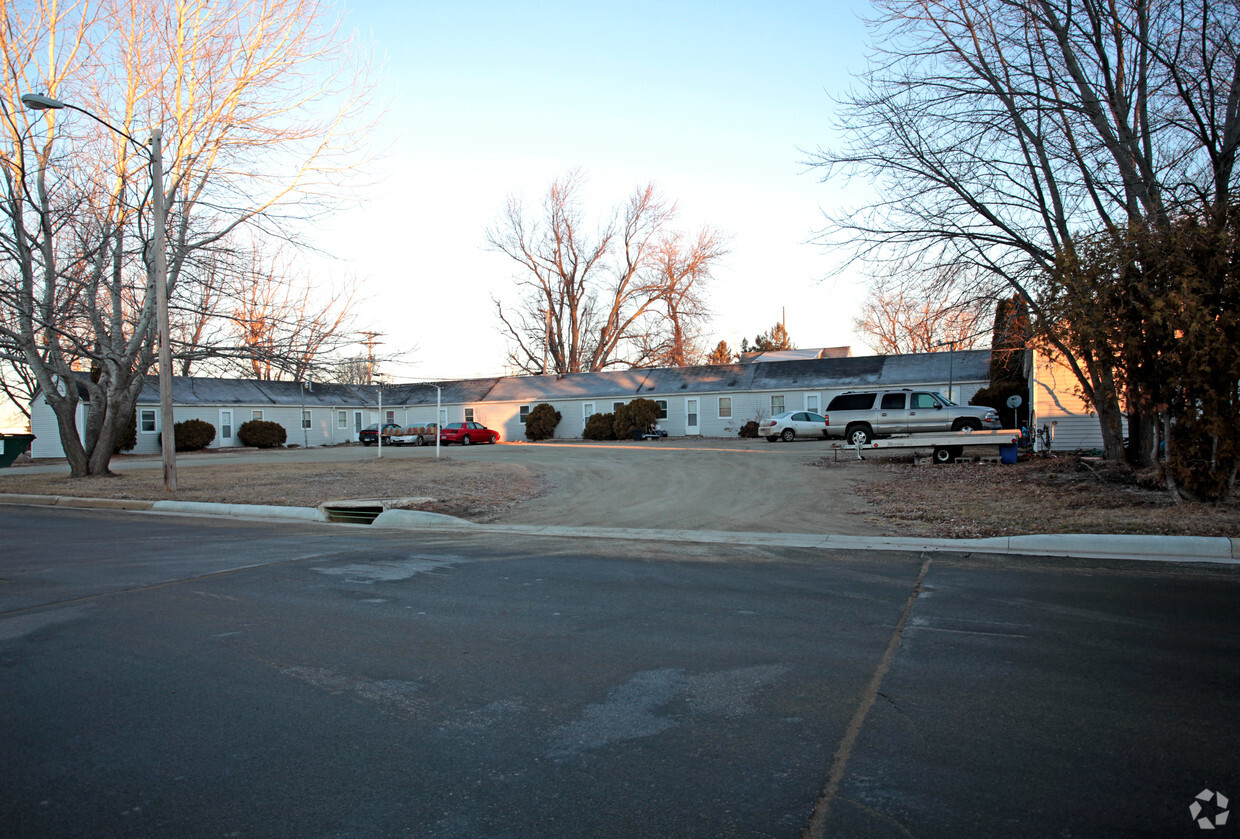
860	416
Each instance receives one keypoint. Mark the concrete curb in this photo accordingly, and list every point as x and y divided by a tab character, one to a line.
1217	550
249	511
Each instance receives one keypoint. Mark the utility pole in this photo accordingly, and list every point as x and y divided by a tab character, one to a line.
370	353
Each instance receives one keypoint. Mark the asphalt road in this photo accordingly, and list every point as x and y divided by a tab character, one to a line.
176	677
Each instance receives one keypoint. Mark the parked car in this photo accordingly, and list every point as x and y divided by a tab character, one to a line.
370	434
466	433
862	415
414	435
792	424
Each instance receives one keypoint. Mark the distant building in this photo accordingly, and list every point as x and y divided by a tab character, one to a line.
712	401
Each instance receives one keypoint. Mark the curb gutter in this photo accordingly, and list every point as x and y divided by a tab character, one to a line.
1208	549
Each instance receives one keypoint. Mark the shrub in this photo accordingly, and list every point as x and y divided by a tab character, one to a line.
750	429
262	434
638	414
541	421
190	436
600	427
996	396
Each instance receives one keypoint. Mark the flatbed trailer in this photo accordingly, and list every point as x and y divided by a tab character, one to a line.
946	446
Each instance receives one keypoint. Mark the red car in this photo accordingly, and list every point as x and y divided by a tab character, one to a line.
466	433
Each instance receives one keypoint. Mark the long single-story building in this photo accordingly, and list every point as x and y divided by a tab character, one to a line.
711	401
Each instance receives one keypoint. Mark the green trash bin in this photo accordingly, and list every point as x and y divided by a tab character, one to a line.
13	445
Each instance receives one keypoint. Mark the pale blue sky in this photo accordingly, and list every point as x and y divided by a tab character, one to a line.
713	102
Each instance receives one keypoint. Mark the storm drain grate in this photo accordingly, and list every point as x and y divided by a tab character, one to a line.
352	515
365	510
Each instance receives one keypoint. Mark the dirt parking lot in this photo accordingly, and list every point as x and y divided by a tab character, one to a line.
737	485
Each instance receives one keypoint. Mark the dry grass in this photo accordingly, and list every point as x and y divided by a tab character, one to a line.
478	491
1060	495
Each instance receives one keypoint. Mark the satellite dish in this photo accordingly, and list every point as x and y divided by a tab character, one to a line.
1014	401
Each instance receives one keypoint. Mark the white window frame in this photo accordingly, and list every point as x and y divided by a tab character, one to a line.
722	414
342	420
524	412
662	403
391	418
615	406
817	400
256	415
783	404
469	415
142	415
307	420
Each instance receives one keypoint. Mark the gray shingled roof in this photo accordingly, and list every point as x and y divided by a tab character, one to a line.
807	374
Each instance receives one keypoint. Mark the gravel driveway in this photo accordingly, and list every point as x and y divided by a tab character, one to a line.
739	485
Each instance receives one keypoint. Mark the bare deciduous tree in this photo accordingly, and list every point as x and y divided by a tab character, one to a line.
591	301
252	98
997	132
897	318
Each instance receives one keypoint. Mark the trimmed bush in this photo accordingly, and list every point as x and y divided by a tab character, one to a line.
638	414
600	427
541	421
190	436
749	429
262	434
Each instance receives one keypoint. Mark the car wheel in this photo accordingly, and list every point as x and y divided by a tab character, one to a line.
967	425
788	436
858	434
494	439
419	440
465	441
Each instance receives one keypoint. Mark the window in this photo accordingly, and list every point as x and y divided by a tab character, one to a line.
306	421
615	406
852	402
811	403
777	405
469	415
342	419
525	412
924	401
256	415
391	417
725	407
662	403
894	401
147	423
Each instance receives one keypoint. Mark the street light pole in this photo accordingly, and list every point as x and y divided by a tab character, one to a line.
38	102
951	366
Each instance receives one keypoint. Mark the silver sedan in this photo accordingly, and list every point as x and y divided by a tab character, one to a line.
792	424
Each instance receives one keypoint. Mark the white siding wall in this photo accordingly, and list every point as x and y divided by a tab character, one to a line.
1057	400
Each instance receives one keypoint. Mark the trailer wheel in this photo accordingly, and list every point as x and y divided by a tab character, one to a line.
943	454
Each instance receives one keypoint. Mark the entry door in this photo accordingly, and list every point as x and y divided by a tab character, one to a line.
226	428
357	426
691	417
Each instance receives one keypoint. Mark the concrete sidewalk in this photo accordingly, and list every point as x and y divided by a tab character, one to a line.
1191	549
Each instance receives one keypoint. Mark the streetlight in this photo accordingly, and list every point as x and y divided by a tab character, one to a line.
38	102
951	358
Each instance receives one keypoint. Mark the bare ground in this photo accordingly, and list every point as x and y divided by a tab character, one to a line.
478	491
691	489
1043	495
